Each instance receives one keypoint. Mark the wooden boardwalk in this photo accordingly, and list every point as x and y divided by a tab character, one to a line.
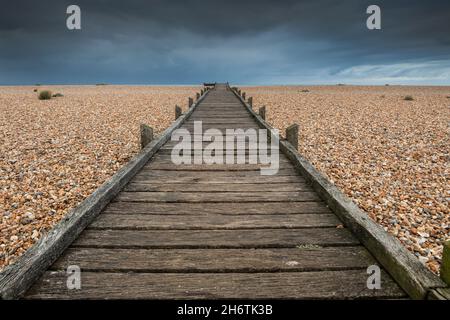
216	231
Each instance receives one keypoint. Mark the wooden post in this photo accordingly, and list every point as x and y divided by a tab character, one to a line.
190	102
243	95
201	92
292	135
177	112
198	96
239	91
146	135
262	112
445	265
250	101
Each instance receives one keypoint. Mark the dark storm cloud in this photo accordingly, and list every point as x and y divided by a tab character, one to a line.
239	41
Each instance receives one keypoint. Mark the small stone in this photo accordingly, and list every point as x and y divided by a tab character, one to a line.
35	235
421	241
14	238
27	218
423	260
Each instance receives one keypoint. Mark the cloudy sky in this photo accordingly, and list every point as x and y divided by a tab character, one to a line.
243	42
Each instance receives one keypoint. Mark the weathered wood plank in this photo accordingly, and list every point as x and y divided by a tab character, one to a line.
295	196
204	144
190	177
216	260
216	187
265	238
166	165
234	115
287	285
439	294
170	174
167	159
246	162
244	121
216	114
167	152
225	208
212	221
222	126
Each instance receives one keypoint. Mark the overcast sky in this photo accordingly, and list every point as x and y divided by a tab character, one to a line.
243	42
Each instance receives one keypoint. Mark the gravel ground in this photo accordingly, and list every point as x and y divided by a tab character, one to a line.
54	153
390	155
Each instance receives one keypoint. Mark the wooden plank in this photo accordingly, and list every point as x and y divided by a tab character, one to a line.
167	152
439	294
221	115
265	238
221	106
167	159
444	292
171	174
444	271
224	119
204	144
212	221
166	165
190	177
200	136
296	196
248	121
245	159
217	208
281	285
222	126
216	187
216	260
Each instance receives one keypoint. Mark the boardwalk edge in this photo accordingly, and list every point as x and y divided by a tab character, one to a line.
18	277
402	265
